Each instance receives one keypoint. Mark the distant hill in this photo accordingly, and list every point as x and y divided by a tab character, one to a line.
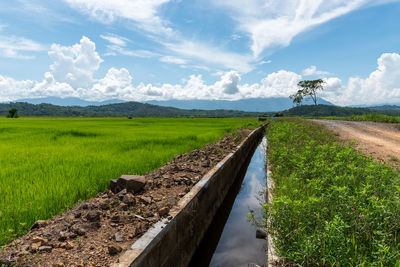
327	110
134	109
251	104
68	101
388	109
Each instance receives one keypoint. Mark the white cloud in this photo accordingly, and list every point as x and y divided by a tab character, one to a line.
212	55
71	74
174	60
15	47
118	46
274	23
262	62
382	85
312	70
116	84
115	39
228	84
11	89
75	64
277	84
144	13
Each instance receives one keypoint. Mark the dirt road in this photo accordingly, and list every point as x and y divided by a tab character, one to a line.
381	140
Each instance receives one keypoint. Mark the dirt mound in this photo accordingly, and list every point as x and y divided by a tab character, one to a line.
95	232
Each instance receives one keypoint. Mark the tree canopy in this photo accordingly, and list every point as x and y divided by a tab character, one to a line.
12	113
308	88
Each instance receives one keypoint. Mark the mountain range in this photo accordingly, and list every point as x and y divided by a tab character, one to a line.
249	105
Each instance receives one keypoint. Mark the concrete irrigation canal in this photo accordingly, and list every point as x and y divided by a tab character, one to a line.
230	240
209	224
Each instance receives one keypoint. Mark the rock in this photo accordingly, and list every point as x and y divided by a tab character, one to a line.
145	200
83	206
93	216
39	224
45	249
40	240
123	206
104	205
205	163
129	199
69	245
64	235
118	237
114	186
261	234
115	219
163	211
121	193
80	229
35	247
114	249
132	183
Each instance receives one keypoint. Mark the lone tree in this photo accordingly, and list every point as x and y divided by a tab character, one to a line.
13	113
308	88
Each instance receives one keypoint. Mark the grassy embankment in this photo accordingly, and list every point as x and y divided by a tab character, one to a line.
332	205
49	164
367	117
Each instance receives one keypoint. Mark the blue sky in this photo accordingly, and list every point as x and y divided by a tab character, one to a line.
199	49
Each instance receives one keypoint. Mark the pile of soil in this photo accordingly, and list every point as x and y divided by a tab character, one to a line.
97	231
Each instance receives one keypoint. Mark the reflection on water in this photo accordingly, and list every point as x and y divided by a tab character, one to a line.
237	245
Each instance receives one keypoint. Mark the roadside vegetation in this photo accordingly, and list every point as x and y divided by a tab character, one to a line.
49	164
332	205
368	117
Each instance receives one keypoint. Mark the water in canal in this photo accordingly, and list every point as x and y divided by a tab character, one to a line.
231	239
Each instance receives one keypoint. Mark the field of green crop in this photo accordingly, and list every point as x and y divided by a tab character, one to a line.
49	164
332	205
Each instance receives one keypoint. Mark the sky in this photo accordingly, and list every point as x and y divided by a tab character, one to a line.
199	49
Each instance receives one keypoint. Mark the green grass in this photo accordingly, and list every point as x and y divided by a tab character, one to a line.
332	205
49	164
367	117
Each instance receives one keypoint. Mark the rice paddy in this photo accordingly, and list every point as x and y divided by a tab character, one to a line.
50	164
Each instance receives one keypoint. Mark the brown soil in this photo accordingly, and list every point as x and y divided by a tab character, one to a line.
381	140
96	232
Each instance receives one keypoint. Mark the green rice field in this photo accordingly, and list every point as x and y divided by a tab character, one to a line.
49	164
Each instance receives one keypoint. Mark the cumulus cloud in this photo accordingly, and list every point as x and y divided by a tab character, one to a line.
228	84
11	89
382	85
73	67
312	70
75	64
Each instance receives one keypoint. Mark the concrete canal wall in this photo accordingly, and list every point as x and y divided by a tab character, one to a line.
173	242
